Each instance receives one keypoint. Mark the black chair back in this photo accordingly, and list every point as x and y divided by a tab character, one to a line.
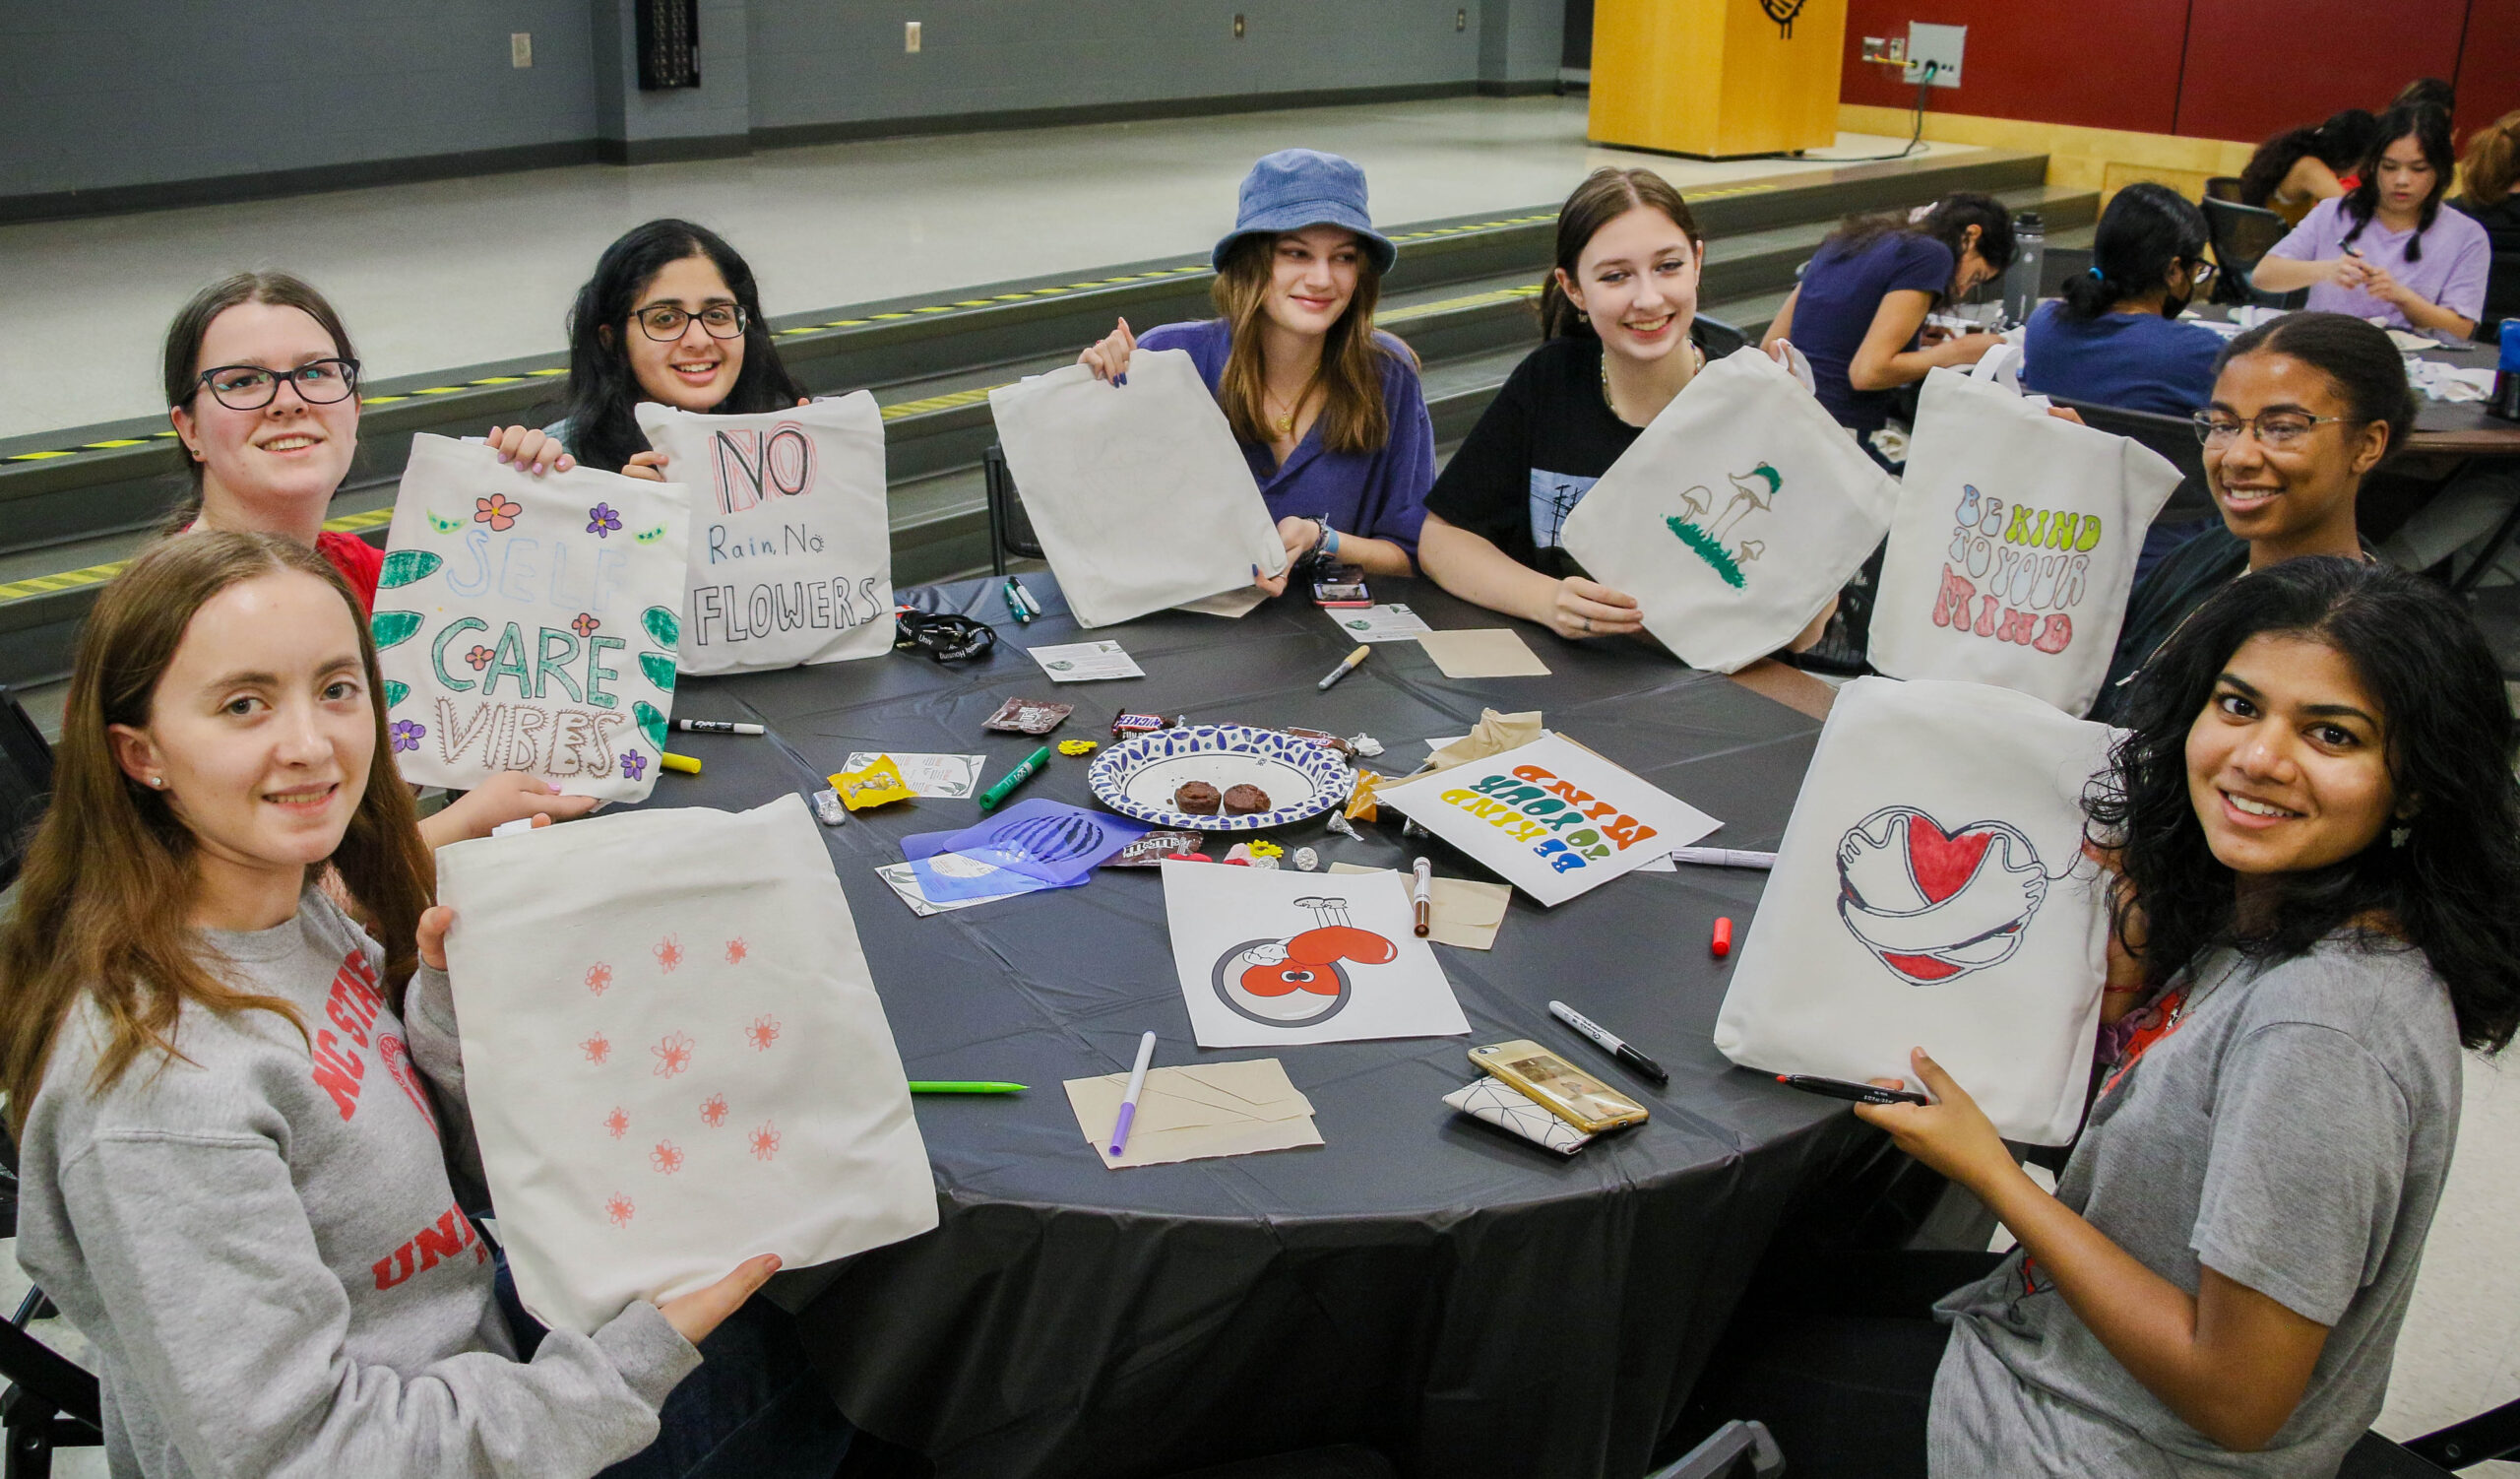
26	783
2223	187
1010	528
2173	437
1716	337
2241	237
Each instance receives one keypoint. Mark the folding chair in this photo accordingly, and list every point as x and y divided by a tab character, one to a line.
1010	528
2241	237
26	781
2482	1438
1736	1450
2172	436
50	1403
2223	187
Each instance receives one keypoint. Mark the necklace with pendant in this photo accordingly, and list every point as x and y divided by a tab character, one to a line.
1697	361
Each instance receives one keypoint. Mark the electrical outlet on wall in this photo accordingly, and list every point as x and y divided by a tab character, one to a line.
1938	45
520	48
909	35
1461	20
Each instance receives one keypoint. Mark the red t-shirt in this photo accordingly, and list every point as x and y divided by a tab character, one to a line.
358	561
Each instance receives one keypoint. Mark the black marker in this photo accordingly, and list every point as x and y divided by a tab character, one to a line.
1603	1038
1838	1088
715	727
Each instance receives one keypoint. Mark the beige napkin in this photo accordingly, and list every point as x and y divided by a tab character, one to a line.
1494	735
1482	652
1458	912
1196	1111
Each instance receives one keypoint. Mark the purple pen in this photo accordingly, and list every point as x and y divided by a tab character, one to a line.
1129	1100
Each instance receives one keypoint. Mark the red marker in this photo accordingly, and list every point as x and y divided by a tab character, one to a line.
1721	944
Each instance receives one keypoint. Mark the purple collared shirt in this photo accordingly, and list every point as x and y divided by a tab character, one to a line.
1380	494
2457	254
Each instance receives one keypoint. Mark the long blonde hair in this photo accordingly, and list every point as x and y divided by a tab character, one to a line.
1354	418
104	904
2492	164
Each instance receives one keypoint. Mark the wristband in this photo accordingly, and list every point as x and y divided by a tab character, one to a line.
1329	541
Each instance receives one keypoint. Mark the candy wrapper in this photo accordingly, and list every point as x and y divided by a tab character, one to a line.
1154	848
877	785
1027	716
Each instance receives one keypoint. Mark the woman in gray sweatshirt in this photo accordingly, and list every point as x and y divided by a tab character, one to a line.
233	1115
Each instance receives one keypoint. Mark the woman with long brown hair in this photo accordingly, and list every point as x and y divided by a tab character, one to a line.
231	1173
1328	410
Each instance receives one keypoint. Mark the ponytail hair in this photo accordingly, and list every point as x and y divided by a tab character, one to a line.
1946	221
2493	163
2430	127
1606	195
2340	143
2147	228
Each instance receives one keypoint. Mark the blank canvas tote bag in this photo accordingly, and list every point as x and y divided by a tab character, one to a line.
1932	892
674	1054
530	622
1734	516
1138	493
2014	546
792	547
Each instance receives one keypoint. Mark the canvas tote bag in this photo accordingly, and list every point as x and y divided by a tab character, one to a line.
530	622
1734	516
675	1055
2013	549
1138	493
1932	892
792	547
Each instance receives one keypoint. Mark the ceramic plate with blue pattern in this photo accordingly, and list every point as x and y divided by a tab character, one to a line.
1138	776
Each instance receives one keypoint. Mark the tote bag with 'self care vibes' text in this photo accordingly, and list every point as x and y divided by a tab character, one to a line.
529	622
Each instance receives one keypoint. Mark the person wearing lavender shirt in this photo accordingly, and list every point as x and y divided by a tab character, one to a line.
1328	411
2387	251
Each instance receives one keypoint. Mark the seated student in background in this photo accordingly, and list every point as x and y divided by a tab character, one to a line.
1328	410
2387	250
672	315
216	1211
2302	407
261	386
1618	317
2487	174
2296	170
2115	339
1859	312
2318	839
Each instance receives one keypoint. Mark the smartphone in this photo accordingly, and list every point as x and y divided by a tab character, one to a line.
1555	1084
1342	585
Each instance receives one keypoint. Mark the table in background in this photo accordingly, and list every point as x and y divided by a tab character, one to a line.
1468	1302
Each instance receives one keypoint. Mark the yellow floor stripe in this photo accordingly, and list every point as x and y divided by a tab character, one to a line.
44	585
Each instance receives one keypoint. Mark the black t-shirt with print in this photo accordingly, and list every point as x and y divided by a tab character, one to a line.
1537	449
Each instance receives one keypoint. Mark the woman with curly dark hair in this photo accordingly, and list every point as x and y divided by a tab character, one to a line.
2317	836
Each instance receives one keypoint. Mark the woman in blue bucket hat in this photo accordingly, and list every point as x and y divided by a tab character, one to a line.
1329	411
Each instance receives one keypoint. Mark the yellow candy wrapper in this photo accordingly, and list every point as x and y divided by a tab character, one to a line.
1077	747
874	786
1362	806
1264	848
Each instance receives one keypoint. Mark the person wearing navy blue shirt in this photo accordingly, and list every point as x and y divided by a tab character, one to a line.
1328	412
1859	313
2115	339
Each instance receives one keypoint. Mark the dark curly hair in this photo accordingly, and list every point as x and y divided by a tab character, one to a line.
604	431
2449	890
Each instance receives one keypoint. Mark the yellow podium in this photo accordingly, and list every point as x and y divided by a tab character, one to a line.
1717	78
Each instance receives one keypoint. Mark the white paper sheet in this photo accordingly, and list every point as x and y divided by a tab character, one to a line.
1086	661
1270	957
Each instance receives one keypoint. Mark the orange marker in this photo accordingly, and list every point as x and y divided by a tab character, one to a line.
1723	942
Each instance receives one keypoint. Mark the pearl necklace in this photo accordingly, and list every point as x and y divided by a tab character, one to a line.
1697	361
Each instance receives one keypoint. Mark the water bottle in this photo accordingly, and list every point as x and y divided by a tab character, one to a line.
2506	378
2021	278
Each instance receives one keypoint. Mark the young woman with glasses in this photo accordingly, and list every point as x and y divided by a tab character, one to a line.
2302	409
262	385
2387	250
672	315
2115	339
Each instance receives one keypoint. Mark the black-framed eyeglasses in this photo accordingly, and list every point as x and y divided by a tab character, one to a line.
2199	273
251	387
2274	430
664	322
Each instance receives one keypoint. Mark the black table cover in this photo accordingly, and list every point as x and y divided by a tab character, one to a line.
1466	1301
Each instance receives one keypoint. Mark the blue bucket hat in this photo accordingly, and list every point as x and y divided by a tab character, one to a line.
1295	188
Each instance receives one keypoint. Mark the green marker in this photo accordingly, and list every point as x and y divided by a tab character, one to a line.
962	1086
1007	782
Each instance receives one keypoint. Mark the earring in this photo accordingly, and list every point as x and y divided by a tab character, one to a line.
157	781
2399	834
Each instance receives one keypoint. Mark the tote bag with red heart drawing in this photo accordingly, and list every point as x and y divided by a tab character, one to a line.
1932	892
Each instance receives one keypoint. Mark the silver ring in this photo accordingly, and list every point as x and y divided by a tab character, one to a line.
1588	622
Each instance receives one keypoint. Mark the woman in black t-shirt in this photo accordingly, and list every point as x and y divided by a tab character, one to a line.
1619	313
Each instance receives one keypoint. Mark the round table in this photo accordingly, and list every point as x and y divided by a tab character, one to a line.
1465	1301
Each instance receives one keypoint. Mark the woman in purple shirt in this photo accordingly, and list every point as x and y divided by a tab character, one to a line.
1328	412
2387	250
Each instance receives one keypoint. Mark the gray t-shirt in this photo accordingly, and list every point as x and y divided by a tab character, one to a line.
261	1241
2292	1132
